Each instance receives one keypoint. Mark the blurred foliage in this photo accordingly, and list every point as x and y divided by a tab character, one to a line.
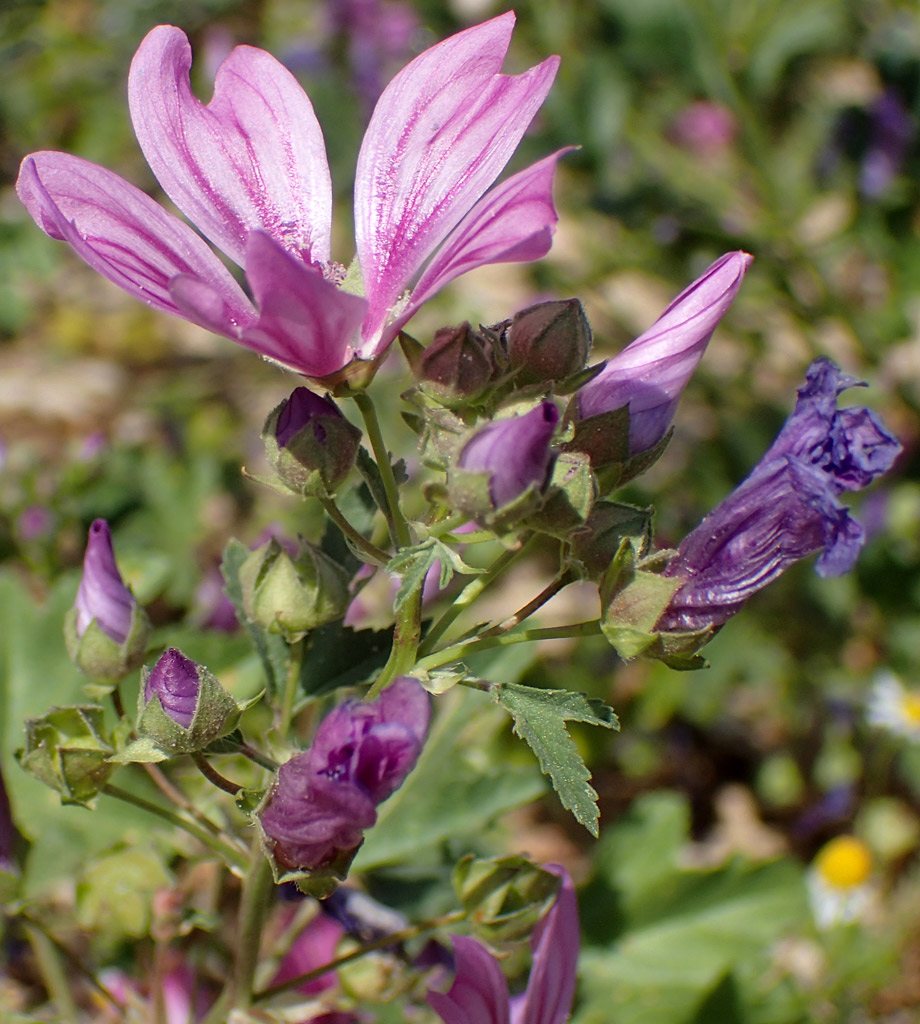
704	126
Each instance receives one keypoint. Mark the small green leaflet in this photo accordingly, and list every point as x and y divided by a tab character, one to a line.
412	564
539	718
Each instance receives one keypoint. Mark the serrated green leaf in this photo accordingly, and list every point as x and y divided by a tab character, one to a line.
539	718
271	648
412	565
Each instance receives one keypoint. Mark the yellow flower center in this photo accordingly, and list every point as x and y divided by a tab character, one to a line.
844	862
910	707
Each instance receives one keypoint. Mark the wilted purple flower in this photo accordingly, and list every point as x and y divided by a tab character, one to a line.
786	509
515	451
650	374
174	680
102	595
250	171
324	799
479	994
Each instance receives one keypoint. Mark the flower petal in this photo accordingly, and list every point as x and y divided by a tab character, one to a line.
513	223
441	132
479	994
128	238
305	322
252	159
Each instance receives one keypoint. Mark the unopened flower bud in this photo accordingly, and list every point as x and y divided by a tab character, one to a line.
181	709
66	749
309	443
505	461
289	595
456	366
549	342
106	630
314	817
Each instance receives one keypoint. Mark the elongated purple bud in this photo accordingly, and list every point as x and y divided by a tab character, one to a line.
650	374
174	679
102	594
515	452
786	509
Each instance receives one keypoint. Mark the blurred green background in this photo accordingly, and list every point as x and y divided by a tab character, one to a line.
788	129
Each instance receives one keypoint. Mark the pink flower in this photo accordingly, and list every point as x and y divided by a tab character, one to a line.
479	994
249	170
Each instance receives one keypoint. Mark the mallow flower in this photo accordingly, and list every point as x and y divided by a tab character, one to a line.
106	630
650	374
314	817
479	994
249	170
786	509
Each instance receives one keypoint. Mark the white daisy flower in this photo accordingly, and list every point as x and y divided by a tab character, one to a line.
838	882
893	707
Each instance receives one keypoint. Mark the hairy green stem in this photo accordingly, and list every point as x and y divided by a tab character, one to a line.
291	686
225	850
391	939
213	775
456	652
401	537
468	595
254	755
258	887
405	647
548	592
371	552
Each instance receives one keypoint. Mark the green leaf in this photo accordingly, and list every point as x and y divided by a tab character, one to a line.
339	656
539	718
413	565
271	648
453	792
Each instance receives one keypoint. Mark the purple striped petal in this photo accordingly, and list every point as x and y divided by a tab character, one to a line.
128	238
252	159
305	322
479	994
513	223
441	133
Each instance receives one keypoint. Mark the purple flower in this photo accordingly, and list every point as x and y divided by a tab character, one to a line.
705	128
314	946
650	374
102	595
479	994
174	680
302	408
324	799
249	170
515	451
893	130
786	509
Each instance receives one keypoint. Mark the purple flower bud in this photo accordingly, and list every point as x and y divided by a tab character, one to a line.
324	799
174	679
515	451
102	594
893	130
650	374
302	408
786	509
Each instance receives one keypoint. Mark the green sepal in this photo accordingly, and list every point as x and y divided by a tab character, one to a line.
67	749
595	545
99	656
503	897
569	498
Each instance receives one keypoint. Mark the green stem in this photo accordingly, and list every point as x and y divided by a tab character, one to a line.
468	595
213	775
477	644
258	886
256	756
291	686
385	941
406	637
449	524
176	796
219	846
548	592
53	974
401	536
373	554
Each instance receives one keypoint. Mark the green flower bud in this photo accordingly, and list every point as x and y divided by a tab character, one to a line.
504	897
289	595
549	341
66	749
456	366
309	443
